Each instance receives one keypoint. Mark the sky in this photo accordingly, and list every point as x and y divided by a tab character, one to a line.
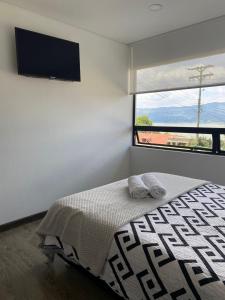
181	97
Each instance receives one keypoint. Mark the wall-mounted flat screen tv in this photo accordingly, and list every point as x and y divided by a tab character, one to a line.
41	55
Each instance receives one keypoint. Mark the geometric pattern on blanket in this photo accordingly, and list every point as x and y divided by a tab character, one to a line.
175	252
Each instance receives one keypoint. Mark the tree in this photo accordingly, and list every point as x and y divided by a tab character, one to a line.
143	121
201	141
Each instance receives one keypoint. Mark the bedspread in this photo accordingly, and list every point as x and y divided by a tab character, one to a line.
88	220
176	251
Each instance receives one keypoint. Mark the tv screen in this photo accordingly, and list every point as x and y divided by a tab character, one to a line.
40	55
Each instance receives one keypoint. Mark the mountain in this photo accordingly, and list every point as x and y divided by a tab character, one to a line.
210	113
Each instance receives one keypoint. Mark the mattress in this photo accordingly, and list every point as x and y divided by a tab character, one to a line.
176	251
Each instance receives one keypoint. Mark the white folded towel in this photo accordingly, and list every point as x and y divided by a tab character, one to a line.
137	188
155	187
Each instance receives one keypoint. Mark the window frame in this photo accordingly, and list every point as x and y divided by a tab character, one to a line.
214	132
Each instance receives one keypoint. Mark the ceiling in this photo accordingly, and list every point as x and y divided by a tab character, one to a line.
126	21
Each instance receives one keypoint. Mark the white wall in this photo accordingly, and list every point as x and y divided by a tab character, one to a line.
56	137
194	165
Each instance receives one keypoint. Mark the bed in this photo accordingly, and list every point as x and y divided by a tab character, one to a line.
176	251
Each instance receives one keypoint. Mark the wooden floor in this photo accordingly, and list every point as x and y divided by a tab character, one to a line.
25	274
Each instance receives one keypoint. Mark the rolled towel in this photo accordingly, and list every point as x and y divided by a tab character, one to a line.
137	188
155	187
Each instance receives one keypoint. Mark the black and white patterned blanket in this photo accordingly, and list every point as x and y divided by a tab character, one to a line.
175	252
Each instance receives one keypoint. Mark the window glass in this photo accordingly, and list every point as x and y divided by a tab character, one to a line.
222	142
196	107
189	141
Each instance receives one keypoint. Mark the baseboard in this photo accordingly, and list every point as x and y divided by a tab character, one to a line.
22	221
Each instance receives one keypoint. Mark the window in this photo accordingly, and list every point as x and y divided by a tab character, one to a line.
181	104
190	119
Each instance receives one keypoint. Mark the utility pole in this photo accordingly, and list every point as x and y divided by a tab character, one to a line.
200	78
